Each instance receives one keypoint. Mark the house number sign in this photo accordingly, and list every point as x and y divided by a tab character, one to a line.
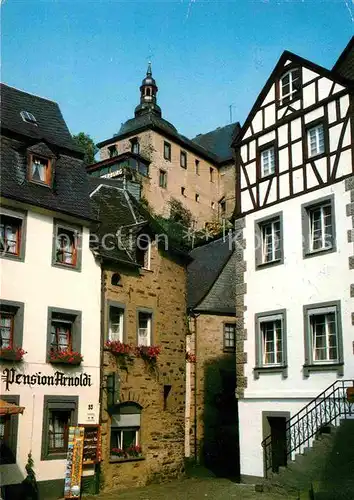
10	376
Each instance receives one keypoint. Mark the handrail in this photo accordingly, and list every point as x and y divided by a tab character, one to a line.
328	406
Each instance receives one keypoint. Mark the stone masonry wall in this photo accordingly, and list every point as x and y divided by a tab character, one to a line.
213	415
162	430
222	184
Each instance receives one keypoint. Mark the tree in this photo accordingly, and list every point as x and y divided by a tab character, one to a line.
85	142
179	213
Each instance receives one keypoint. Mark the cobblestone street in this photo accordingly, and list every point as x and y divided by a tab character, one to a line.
190	489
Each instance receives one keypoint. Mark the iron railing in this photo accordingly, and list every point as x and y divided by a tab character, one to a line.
327	408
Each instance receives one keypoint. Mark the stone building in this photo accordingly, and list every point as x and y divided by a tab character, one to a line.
199	172
143	304
50	294
211	410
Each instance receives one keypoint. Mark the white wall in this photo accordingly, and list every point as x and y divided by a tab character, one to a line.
39	285
292	285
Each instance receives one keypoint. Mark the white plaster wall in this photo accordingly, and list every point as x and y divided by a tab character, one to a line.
39	285
292	285
251	430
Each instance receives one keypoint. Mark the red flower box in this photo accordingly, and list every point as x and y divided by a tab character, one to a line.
118	348
148	353
191	358
12	353
131	452
66	357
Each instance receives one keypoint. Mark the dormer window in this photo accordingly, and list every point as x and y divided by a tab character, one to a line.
28	117
135	146
289	85
113	151
40	170
143	251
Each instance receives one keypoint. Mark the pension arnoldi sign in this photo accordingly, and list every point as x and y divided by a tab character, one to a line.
58	379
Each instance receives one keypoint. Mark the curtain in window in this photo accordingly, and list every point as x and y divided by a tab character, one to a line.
6	330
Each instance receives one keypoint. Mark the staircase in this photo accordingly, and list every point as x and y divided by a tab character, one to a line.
320	448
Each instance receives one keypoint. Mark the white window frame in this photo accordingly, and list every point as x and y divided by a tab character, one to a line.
323	311
267	161
275	241
277	353
292	90
120	334
119	436
319	140
323	228
162	178
147	329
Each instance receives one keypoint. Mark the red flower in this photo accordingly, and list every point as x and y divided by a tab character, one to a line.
191	358
117	348
66	356
149	353
17	352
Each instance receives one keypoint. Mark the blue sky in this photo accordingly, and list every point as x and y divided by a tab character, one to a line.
90	56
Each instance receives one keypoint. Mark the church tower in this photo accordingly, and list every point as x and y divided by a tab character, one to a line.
148	91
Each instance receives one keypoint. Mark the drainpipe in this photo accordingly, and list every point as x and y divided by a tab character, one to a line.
101	409
195	317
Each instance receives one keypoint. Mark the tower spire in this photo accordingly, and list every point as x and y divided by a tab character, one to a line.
148	91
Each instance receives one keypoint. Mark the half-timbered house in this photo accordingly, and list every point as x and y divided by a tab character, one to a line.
294	217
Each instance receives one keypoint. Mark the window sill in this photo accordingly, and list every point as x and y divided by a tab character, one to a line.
258	370
144	270
265	265
229	350
63	362
66	266
268	176
325	367
10	256
308	254
296	96
115	460
11	355
57	456
317	156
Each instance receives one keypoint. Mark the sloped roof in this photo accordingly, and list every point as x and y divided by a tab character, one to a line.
276	71
219	141
208	262
120	212
50	125
151	120
345	63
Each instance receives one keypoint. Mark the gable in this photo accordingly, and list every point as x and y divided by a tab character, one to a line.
317	84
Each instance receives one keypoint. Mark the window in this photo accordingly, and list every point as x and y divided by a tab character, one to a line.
211	174
40	170
116	323
289	85
61	335
116	279
125	431
213	205
11	324
269	240
197	197
8	433
183	191
267	158
28	117
12	234
58	414
270	341
183	159
166	393
323	335
229	337
315	140
64	331
143	251
318	223
144	328
167	151
163	179
197	167
135	146
67	246
113	151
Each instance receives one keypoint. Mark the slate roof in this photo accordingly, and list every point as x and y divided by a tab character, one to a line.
151	121
69	192
119	211
345	63
207	266
50	126
219	141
